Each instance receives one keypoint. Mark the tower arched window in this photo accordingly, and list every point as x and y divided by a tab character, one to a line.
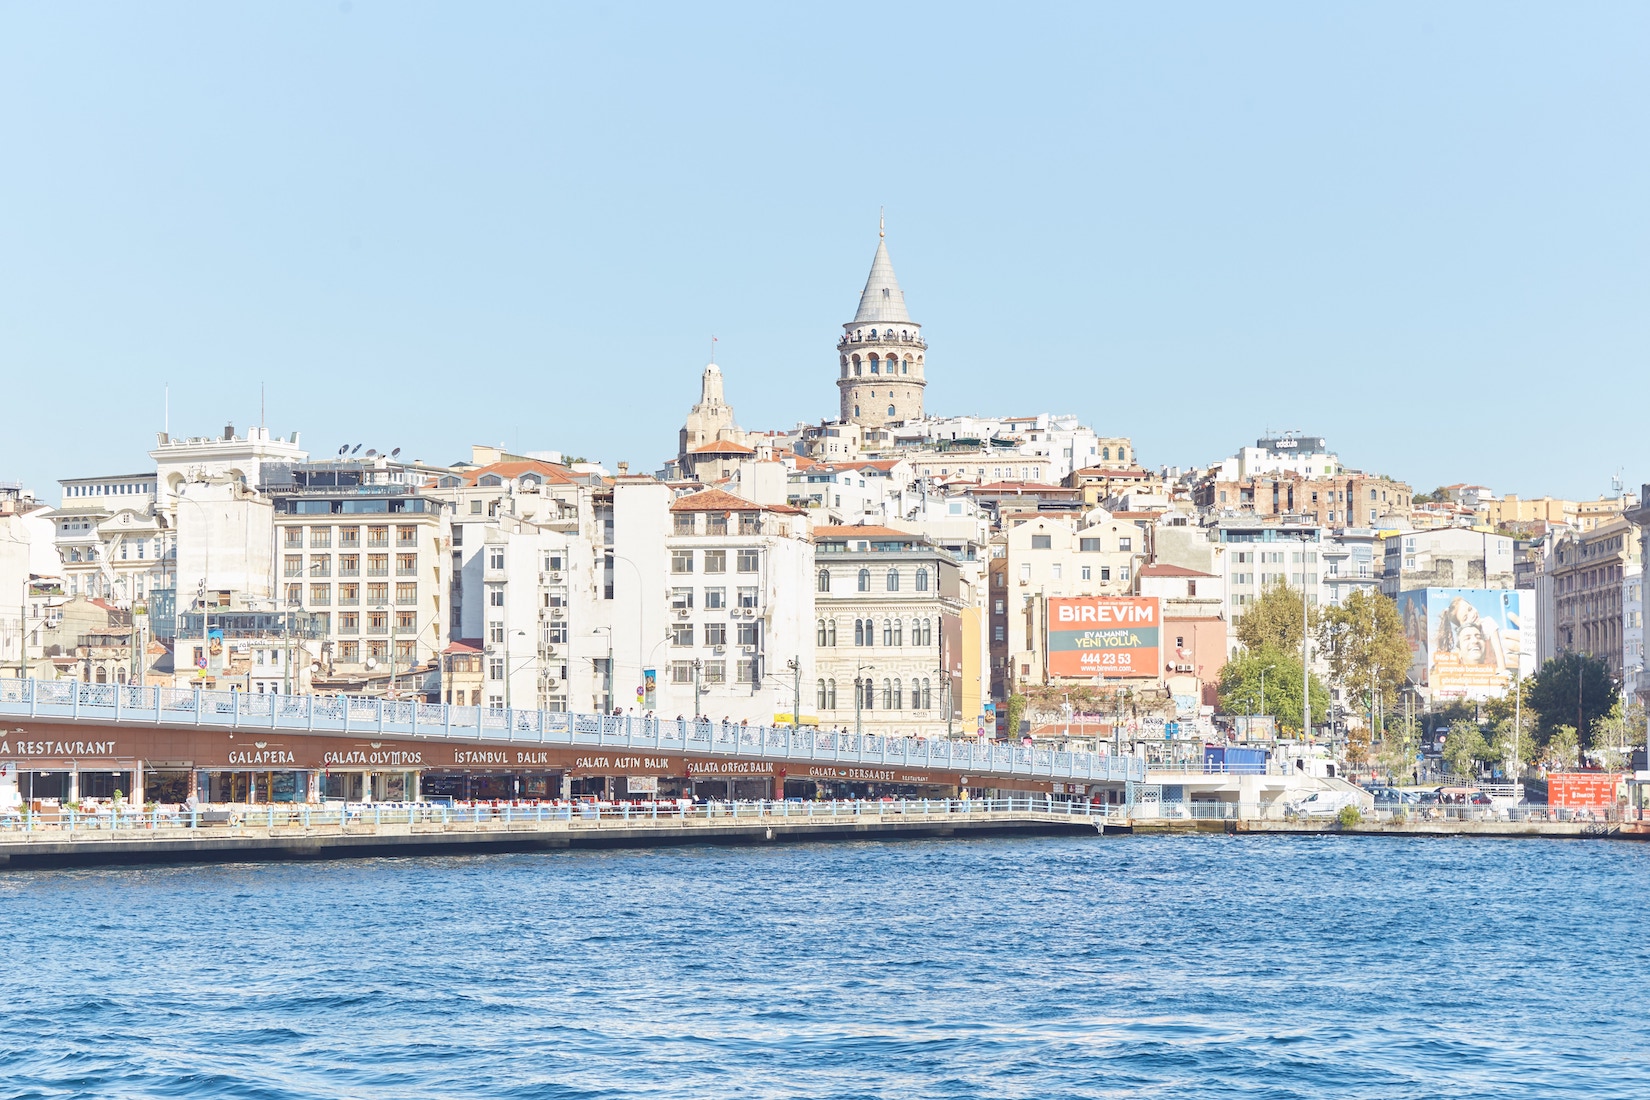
922	580
865	580
890	410
856	366
856	410
875	362
905	367
824	580
873	334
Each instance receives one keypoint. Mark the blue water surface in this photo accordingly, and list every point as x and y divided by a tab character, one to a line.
1192	966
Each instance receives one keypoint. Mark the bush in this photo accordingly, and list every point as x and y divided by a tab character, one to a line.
1349	816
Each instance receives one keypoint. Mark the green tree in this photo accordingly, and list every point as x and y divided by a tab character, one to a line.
1464	747
1273	621
1364	642
1240	687
1399	743
1016	708
1617	735
1563	749
1574	689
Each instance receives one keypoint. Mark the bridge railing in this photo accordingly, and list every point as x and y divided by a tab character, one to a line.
121	704
581	814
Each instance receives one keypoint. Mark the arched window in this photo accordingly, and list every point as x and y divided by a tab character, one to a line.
899	631
856	410
1105	452
898	697
927	695
824	580
887	695
830	694
873	336
916	695
820	638
893	580
875	364
102	676
905	367
820	698
922	580
868	693
887	632
856	366
864	579
890	410
830	632
859	631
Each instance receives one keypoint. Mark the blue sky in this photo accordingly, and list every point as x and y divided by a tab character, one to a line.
1420	230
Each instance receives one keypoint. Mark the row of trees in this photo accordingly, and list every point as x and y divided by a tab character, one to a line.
1570	710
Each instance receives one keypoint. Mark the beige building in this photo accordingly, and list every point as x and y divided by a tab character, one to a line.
1589	572
1048	556
890	647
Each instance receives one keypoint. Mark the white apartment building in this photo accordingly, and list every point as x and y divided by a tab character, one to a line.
1632	630
1306	455
30	588
1451	557
112	542
1353	558
890	641
1261	555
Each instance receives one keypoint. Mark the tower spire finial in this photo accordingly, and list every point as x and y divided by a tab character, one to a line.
882	223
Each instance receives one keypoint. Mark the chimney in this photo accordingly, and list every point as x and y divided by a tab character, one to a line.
228	431
624	469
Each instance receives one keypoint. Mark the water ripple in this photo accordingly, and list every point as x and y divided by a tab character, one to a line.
1125	967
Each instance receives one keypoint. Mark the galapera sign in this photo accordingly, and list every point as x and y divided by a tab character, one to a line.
1104	636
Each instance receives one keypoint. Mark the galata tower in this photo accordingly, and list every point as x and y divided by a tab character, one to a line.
881	352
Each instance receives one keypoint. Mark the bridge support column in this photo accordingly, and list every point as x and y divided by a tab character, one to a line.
366	786
74	784
137	784
312	787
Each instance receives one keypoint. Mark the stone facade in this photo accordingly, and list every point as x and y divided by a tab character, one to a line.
881	353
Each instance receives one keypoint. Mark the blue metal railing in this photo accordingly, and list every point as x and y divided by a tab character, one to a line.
363	816
122	704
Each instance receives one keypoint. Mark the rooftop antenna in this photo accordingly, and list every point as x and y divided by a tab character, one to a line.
713	349
166	410
262	422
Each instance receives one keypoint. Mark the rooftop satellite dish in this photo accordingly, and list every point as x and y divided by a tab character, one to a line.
395	452
315	666
357	448
372	663
371	451
344	448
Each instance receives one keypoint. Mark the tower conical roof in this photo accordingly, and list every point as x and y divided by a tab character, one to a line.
882	300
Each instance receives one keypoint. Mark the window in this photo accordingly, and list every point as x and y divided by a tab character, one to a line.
681	599
716	561
294	594
1089	546
495	557
294	537
349	565
750	560
495	633
865	580
406	565
320	594
349	622
406	622
320	537
890	694
1124	545
378	565
830	632
349	653
716	599
681	672
716	523
859	631
681	634
899	631
922	580
1025	572
1087	573
1056	567
887	632
893	580
746	670
495	595
824	586
819	634
1105	572
349	538
683	524
746	597
495	668
681	561
716	633
294	566
475	507
408	594
715	672
1042	542
998	633
349	593
406	536
320	565
555	633
750	633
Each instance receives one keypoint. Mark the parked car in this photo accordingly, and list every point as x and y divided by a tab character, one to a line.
1323	803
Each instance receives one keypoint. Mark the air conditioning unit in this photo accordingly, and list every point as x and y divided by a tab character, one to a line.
682	613
718	649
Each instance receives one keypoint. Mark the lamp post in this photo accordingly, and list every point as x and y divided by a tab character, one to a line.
795	665
1306	634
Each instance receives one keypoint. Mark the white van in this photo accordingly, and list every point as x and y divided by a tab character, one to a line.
1324	803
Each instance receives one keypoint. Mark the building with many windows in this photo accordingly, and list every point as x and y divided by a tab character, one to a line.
1594	575
889	638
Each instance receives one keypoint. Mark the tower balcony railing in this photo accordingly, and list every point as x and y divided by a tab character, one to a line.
901	341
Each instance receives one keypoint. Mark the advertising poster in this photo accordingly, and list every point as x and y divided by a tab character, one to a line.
1092	636
1466	643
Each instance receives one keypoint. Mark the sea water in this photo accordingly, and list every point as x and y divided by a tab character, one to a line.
1190	966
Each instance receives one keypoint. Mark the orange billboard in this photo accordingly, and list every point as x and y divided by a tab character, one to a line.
1117	636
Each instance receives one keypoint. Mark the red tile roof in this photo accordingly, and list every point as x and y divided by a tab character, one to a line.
866	531
720	500
549	471
1164	569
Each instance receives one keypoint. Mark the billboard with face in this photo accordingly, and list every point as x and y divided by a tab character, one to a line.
1114	636
1467	643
